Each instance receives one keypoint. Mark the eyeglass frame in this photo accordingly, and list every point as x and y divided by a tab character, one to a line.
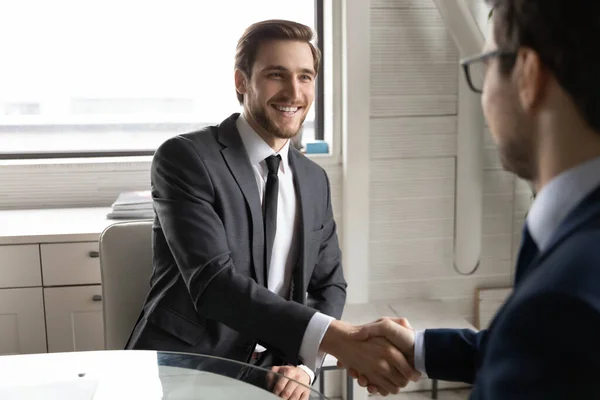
466	62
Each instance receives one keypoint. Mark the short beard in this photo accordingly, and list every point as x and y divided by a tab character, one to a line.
260	116
519	158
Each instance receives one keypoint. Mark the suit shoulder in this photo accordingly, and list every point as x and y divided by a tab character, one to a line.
581	253
581	250
202	139
207	134
199	141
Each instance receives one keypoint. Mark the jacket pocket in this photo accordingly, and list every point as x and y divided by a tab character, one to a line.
177	325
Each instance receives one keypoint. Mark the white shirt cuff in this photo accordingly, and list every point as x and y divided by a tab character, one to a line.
310	373
309	348
259	348
420	352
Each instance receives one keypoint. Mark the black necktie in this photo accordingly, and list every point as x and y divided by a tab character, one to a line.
270	209
527	252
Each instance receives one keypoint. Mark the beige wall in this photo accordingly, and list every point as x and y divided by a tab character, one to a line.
414	87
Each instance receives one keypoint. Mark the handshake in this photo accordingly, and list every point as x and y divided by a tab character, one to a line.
379	354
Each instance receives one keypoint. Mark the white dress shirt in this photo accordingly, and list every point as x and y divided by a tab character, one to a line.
286	245
549	209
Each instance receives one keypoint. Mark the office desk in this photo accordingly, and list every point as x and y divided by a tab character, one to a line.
115	375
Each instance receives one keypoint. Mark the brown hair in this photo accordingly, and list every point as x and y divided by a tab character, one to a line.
565	36
274	29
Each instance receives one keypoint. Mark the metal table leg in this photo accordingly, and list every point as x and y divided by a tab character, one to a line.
349	387
434	389
322	382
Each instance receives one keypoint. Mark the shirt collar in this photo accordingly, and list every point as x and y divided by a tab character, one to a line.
558	198
257	148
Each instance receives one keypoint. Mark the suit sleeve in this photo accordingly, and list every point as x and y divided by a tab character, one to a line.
184	203
453	354
327	286
547	348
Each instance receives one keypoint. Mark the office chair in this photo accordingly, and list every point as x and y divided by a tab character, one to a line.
126	266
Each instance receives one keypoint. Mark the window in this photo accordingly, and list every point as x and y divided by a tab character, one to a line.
118	77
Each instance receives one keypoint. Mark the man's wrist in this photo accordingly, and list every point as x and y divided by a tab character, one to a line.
410	356
331	340
308	372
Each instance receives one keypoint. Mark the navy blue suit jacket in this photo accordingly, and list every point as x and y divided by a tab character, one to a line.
544	343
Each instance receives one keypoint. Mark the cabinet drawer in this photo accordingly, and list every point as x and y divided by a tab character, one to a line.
70	263
20	266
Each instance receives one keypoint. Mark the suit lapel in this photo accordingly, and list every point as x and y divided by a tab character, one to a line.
237	160
302	186
585	212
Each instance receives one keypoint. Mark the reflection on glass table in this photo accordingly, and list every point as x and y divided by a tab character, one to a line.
114	375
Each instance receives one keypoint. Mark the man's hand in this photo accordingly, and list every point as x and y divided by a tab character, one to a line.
290	389
398	331
379	361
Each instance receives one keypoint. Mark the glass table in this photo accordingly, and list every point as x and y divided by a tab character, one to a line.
139	374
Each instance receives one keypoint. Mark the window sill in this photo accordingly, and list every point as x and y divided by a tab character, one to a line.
321	159
87	182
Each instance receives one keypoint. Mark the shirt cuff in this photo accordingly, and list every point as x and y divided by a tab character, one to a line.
310	373
420	352
259	348
309	348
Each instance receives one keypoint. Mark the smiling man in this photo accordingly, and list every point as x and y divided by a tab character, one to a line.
246	256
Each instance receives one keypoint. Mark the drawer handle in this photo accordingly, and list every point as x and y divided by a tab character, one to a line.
94	254
96	297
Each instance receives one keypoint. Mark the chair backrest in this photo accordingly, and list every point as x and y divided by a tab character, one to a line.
126	266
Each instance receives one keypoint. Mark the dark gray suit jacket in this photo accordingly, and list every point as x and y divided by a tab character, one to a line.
208	291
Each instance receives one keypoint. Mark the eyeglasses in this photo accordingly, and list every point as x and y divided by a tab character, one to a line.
475	67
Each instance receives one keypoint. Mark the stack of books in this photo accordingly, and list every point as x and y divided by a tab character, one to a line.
132	205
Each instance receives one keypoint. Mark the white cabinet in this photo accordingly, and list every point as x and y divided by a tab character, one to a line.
22	329
74	318
50	293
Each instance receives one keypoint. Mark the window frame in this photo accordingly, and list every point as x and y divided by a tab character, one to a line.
319	103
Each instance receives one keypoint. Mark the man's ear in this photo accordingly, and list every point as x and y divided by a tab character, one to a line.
532	78
240	82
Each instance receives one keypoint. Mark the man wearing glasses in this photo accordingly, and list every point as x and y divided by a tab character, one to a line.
540	93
